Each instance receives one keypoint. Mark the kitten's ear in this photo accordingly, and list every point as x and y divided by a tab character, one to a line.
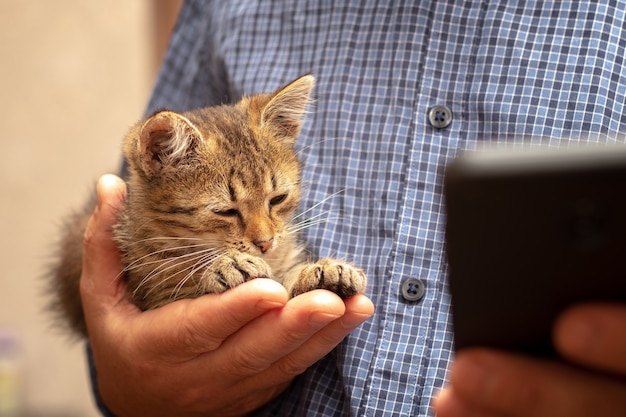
286	108
166	139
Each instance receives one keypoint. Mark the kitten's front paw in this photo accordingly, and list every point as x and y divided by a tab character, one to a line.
339	277
232	269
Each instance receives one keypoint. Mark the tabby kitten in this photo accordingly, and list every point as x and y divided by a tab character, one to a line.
211	201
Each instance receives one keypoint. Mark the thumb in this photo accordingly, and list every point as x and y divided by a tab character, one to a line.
102	266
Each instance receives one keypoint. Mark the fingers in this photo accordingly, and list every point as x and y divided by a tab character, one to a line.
256	353
594	335
101	258
284	343
100	285
187	328
280	332
357	309
488	383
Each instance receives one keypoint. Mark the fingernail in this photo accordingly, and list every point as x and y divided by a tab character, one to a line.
264	305
109	180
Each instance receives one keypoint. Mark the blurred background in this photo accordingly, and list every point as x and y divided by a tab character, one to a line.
74	76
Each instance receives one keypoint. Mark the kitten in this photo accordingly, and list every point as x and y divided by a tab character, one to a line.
212	195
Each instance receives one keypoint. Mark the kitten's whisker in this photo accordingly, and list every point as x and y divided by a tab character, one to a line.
177	261
311	145
317	216
163	262
201	264
197	257
313	207
168	264
138	263
324	215
132	266
308	223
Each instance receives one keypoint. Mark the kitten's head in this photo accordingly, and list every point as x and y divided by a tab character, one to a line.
227	174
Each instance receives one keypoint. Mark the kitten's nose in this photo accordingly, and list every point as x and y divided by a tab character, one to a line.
264	245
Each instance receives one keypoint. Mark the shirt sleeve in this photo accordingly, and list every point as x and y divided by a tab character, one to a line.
93	375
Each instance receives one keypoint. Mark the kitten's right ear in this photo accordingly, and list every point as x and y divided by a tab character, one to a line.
166	140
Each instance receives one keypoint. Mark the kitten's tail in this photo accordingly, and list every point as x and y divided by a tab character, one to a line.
63	275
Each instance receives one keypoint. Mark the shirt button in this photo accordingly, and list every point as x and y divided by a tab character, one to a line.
412	289
439	117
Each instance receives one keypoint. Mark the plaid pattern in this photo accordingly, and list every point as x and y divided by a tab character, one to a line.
507	70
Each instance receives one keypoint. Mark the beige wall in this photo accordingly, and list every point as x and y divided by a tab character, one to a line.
74	75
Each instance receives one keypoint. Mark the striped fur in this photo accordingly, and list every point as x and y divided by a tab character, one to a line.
212	195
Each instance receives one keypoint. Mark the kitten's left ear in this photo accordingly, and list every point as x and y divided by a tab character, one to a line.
286	109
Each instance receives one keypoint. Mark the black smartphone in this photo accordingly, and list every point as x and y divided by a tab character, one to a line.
529	233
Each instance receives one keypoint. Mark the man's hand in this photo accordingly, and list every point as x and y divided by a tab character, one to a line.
490	383
221	354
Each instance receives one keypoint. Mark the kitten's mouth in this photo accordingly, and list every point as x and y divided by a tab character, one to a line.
263	254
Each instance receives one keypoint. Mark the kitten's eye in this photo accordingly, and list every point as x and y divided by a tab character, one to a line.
226	213
278	199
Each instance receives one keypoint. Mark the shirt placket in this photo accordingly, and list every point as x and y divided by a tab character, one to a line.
414	341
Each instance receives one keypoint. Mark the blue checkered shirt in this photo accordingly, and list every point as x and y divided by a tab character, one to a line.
535	70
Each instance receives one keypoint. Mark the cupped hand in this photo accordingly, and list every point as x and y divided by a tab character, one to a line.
592	382
220	354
